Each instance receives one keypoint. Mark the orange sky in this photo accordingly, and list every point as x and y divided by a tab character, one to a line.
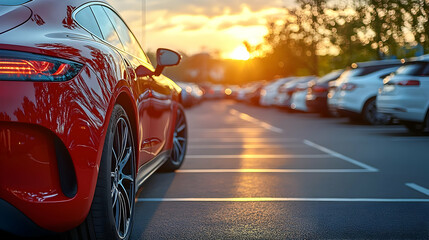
193	26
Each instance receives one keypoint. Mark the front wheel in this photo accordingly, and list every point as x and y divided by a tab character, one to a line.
180	142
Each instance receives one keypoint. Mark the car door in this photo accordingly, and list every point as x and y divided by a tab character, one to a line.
114	29
161	112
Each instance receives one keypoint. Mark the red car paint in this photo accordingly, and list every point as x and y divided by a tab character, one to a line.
77	112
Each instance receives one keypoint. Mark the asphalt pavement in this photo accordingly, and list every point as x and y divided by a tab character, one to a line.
263	173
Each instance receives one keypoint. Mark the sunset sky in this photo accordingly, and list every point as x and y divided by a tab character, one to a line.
194	26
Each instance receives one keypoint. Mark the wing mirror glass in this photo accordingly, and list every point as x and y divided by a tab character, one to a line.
165	58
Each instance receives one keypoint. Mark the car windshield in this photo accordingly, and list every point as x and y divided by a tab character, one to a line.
330	76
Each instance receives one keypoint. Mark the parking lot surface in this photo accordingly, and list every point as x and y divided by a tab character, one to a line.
262	173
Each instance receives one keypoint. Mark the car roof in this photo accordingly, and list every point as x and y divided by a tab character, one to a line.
423	58
376	63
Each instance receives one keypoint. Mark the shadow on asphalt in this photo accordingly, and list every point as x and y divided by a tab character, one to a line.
147	210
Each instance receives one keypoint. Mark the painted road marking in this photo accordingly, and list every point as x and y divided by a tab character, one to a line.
245	146
418	188
251	119
258	156
228	130
272	171
340	156
243	140
267	199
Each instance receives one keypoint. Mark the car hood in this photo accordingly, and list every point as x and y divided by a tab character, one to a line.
13	16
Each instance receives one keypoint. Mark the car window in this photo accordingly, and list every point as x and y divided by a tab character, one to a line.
127	38
426	70
106	26
86	19
372	69
330	77
414	69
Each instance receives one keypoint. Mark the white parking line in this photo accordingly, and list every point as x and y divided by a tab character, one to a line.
228	130
267	199
271	171
340	156
253	156
243	140
245	146
251	119
418	188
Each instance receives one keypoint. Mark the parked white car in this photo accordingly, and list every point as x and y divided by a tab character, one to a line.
285	91
405	95
298	98
191	93
356	90
269	92
281	95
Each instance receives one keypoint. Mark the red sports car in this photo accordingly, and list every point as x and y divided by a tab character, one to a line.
84	119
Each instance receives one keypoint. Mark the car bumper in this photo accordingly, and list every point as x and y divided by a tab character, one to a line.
298	101
317	104
51	137
398	108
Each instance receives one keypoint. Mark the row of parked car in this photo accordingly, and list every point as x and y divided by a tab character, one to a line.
191	95
375	92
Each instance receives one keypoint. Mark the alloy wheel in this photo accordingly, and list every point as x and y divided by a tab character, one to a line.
122	177
179	138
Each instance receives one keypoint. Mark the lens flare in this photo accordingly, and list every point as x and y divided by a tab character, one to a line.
240	53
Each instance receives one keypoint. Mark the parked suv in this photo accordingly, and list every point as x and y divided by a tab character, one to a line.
405	95
356	90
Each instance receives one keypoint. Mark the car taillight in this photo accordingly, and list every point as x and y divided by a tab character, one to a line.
348	86
409	83
19	66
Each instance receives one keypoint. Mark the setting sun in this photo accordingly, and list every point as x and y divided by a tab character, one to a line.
240	53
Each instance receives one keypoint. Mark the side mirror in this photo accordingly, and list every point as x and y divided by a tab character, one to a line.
166	58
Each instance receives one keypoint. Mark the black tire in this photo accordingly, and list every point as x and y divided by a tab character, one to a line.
370	115
115	189
180	143
418	128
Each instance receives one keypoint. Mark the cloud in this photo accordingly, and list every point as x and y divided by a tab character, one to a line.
195	25
205	7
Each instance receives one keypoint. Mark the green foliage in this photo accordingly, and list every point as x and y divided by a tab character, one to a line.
318	36
321	35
